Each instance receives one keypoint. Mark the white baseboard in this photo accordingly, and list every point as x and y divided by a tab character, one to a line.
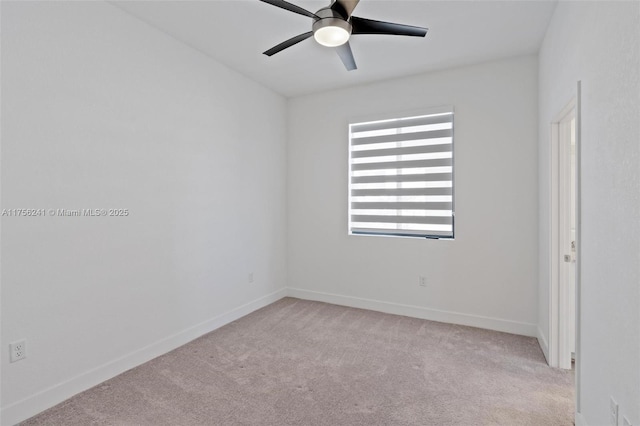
580	421
489	323
47	398
543	343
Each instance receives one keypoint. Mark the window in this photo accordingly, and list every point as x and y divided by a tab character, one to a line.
401	176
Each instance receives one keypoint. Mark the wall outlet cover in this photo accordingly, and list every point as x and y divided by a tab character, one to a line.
18	350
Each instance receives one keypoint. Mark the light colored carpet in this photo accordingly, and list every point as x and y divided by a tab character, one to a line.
298	362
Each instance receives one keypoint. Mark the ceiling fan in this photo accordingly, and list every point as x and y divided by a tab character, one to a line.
333	25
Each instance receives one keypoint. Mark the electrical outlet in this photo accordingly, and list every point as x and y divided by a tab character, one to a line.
18	350
250	277
422	281
625	421
613	412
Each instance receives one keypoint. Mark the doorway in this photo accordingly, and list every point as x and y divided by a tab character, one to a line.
564	237
567	239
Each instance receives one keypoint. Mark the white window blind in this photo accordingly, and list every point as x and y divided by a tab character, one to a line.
401	176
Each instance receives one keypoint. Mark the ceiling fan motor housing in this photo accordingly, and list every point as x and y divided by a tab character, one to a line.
330	18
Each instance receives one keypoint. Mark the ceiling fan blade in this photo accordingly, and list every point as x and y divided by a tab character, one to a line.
290	7
369	26
344	51
344	7
293	40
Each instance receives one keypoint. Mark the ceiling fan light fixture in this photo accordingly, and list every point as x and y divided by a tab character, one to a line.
331	32
331	36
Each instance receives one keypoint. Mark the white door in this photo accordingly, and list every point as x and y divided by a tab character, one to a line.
567	238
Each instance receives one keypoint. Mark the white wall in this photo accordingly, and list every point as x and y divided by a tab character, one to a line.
488	275
598	43
103	111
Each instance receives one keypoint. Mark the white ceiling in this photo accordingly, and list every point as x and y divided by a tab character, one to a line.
236	32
